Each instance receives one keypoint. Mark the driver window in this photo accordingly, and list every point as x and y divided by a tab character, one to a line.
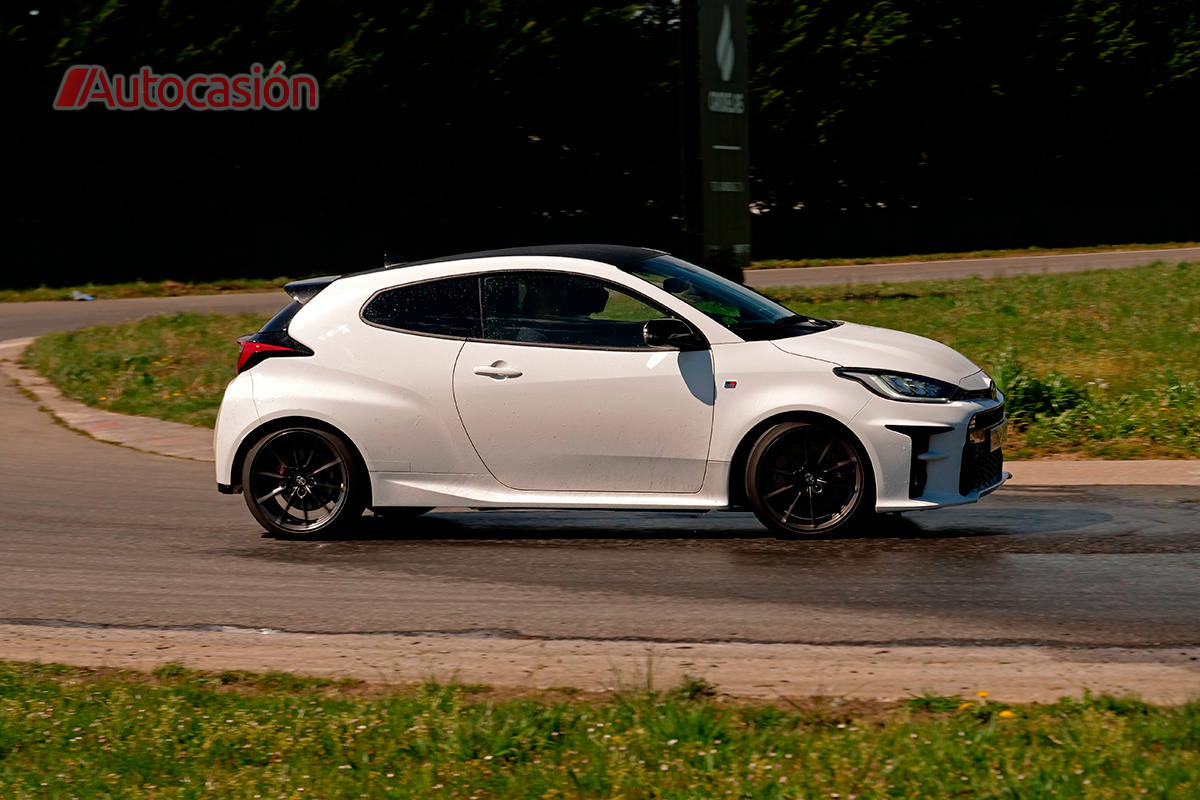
692	295
560	309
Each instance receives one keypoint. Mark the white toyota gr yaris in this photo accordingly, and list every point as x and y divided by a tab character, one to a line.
598	377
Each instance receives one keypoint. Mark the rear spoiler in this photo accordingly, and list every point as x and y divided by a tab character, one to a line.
307	289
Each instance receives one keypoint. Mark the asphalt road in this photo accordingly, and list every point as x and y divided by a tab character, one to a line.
33	319
105	535
100	534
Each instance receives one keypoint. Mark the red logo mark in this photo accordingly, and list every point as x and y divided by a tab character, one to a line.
75	83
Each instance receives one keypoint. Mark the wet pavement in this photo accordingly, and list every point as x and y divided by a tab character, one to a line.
1102	560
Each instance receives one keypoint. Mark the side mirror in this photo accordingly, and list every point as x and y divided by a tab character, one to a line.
671	332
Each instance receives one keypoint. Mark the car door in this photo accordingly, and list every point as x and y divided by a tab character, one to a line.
563	394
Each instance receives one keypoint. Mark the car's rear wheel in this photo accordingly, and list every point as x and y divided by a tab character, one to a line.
805	478
301	481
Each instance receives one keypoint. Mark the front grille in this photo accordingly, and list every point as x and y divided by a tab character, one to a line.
980	468
987	419
981	465
987	393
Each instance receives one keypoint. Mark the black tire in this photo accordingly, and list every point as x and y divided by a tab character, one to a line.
809	478
303	481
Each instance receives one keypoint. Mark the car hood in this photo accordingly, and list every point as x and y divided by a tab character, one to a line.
851	345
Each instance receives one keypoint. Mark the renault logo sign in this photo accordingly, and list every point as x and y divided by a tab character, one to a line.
725	52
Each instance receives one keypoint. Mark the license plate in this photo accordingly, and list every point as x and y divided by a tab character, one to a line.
997	435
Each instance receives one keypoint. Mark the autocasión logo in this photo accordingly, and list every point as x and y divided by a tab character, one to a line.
146	90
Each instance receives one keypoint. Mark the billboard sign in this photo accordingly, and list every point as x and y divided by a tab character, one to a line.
720	171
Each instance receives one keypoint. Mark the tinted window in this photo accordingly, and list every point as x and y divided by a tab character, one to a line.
447	307
553	308
743	311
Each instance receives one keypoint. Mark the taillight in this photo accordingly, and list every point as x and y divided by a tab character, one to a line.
260	346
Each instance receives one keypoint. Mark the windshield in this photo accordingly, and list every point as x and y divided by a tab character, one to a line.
743	311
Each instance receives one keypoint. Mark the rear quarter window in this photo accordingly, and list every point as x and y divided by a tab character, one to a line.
447	307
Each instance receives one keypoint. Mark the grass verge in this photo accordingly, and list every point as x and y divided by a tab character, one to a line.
71	733
780	263
1099	364
172	367
108	291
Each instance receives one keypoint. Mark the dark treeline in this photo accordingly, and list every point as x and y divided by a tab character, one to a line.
877	127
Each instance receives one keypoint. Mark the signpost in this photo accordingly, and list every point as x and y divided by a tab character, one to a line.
716	157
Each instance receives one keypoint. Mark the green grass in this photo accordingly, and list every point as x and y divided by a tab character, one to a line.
1100	364
71	733
780	263
143	289
173	367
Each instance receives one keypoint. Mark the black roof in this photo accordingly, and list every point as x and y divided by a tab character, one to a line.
614	254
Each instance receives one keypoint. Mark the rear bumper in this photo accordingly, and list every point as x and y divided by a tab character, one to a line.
236	417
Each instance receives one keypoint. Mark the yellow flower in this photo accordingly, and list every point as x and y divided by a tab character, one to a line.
1006	714
981	693
103	398
965	706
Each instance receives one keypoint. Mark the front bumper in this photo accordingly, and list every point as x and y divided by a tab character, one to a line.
930	455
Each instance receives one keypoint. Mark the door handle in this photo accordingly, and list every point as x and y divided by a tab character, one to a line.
498	370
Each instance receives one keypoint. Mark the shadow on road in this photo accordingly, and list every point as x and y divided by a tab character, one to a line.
630	527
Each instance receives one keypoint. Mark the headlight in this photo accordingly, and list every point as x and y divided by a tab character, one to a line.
901	385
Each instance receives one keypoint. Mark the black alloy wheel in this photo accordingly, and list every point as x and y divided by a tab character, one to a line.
805	478
299	481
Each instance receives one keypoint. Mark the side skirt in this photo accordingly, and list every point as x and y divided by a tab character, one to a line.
484	491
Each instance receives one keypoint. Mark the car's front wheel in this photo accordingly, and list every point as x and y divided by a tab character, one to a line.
808	477
301	481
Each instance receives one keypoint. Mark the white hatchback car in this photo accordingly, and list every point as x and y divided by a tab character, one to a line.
597	377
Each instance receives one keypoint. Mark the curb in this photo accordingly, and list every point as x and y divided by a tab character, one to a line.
187	441
140	433
760	671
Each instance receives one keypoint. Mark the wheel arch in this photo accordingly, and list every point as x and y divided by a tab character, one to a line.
280	423
741	454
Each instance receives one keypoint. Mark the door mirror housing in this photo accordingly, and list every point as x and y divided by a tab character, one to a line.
672	332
